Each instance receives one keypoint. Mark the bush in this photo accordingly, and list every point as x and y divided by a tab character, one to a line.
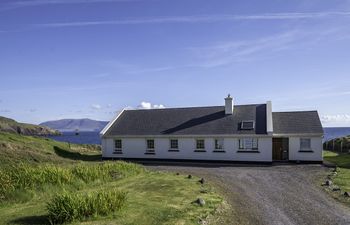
25	176
68	207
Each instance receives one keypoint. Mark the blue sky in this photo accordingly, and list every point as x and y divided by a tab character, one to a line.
78	59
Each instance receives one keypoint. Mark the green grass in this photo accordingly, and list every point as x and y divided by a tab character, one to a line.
342	179
36	174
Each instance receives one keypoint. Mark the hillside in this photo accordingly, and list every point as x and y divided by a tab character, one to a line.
16	148
12	126
66	125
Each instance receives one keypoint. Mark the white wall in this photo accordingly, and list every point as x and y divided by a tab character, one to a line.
316	147
136	148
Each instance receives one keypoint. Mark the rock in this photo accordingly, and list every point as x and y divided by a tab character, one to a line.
201	181
346	194
334	173
329	182
189	176
335	188
177	174
200	201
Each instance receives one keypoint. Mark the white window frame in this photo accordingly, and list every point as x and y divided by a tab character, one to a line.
200	149
148	149
218	144
250	144
248	121
177	144
118	149
302	140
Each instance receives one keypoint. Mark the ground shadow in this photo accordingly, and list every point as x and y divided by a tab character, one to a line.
75	155
32	220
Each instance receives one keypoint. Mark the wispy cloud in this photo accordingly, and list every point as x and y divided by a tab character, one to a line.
96	106
28	3
199	19
335	119
148	105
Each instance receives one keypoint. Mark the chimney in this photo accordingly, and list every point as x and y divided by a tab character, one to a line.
228	105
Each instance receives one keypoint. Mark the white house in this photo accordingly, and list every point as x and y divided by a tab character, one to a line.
221	133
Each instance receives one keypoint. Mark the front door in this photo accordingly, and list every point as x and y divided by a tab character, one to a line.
280	149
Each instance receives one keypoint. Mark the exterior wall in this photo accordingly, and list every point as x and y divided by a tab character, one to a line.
314	155
136	148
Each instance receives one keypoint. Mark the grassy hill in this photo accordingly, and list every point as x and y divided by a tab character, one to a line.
12	126
65	125
48	182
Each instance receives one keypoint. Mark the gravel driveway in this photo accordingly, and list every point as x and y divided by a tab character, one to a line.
279	194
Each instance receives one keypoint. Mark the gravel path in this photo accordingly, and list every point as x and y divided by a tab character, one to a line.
282	194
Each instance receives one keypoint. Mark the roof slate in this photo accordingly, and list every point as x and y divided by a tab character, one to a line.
190	121
304	122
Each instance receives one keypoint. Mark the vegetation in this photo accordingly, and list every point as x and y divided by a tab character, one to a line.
338	144
342	178
12	126
68	207
61	183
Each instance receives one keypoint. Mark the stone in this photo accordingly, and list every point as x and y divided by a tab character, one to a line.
329	182
335	188
177	174
201	181
347	194
189	176
334	173
200	201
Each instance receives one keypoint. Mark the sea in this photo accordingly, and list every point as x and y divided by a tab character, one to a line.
94	137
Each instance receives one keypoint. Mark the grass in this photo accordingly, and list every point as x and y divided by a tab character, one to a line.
35	190
342	179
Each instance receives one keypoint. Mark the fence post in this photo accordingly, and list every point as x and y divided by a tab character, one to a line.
341	145
333	145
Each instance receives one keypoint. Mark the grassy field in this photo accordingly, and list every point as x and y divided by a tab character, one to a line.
37	172
342	179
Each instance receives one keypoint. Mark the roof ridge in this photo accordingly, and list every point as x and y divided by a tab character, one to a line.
297	111
193	107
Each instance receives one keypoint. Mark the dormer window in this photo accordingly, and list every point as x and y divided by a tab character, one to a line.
247	125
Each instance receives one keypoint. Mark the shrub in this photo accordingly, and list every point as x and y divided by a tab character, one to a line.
68	207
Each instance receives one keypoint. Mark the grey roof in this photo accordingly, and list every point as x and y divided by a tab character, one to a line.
304	122
189	121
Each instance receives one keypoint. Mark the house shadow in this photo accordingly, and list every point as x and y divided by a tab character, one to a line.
195	122
76	155
32	220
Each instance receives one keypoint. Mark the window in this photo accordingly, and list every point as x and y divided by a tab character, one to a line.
248	143
200	144
247	125
117	146
150	145
219	144
174	144
305	143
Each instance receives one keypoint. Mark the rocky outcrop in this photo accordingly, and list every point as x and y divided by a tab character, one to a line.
12	126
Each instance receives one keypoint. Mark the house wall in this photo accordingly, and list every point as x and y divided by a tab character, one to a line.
136	148
316	147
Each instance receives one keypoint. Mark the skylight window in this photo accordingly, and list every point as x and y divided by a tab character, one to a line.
247	125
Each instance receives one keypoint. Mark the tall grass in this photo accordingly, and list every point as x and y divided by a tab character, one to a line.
25	176
68	207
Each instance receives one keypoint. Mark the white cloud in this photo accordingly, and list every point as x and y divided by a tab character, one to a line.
202	19
109	105
96	106
336	119
148	105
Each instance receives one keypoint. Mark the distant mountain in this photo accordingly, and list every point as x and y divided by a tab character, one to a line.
66	125
12	126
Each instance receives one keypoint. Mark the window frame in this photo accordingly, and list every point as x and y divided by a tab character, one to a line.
201	149
118	149
309	144
218	144
152	149
247	121
254	144
171	146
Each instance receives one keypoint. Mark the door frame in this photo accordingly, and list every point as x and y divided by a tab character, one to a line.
280	149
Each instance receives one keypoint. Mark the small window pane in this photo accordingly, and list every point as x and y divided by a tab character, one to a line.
150	144
305	143
248	143
247	125
118	144
174	144
200	144
255	143
219	143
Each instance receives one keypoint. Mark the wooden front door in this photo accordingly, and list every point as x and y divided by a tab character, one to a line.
280	149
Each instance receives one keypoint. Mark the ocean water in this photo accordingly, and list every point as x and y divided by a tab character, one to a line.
94	137
82	138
